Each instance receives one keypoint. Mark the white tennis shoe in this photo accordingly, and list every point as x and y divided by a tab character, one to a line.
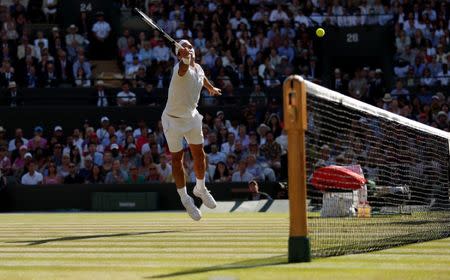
191	209
206	197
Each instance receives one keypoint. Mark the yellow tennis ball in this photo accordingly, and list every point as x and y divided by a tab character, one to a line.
320	32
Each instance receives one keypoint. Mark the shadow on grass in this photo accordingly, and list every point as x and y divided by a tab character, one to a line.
83	237
252	263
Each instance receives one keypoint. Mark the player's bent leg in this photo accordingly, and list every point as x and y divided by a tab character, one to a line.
180	182
200	189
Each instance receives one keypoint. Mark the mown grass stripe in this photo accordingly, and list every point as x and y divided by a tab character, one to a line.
348	266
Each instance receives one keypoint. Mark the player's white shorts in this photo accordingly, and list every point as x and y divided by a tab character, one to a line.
177	128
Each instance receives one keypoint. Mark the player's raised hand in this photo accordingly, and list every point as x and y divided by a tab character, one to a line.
215	91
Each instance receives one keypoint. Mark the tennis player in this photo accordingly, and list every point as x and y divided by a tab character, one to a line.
181	119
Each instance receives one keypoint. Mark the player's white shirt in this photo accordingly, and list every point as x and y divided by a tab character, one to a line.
184	92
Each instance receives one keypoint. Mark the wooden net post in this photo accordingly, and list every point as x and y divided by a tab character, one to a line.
295	121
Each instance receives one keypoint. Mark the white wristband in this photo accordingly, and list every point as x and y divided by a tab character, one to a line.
186	60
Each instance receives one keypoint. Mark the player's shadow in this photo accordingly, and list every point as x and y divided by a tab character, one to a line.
252	263
83	237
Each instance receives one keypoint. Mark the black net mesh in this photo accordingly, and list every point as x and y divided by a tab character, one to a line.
407	172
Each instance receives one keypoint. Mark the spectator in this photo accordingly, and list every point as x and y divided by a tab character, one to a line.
38	141
52	177
14	98
116	175
50	9
64	168
126	98
49	78
5	162
215	155
358	86
7	74
399	90
101	31
73	177
134	177
73	39
81	79
32	177
153	174
86	169
122	42
254	168
278	14
272	151
161	52
258	96
64	68
101	96
241	175
96	176
254	193
221	173
146	54
165	169
82	63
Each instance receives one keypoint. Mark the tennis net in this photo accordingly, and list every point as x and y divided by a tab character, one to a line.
406	164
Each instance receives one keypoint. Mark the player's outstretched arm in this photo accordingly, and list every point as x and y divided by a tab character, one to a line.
211	89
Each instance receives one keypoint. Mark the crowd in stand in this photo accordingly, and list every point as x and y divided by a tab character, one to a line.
237	151
251	44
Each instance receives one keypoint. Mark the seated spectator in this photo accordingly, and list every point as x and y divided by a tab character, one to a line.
254	193
146	54
399	90
40	39
73	39
32	177
49	78
140	79
126	98
254	168
153	174
242	175
116	175
25	49
96	176
134	177
82	63
258	96
165	169
215	155
161	52
122	42
38	141
7	73
81	79
5	162
272	151
107	162
19	159
101	96
64	168
14	98
132	69
31	78
73	177
86	168
221	173
64	67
